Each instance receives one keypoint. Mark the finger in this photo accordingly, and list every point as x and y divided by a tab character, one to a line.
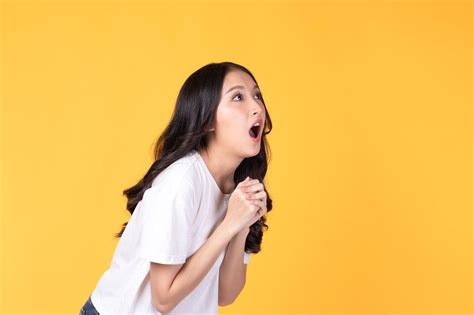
245	181
258	203
255	218
260	212
250	181
253	188
259	195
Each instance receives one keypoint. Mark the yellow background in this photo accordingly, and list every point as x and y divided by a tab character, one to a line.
371	168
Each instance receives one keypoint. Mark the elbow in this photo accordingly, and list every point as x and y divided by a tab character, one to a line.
162	308
225	302
163	304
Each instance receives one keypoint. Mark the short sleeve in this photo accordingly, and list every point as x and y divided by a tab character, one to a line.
246	258
168	212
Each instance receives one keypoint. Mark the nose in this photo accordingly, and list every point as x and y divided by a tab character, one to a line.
258	108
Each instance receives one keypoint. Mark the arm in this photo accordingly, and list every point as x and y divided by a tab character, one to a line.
196	267
233	271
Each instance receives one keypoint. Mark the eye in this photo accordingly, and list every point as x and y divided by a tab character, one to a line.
240	95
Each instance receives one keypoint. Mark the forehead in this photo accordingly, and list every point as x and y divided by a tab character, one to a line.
238	77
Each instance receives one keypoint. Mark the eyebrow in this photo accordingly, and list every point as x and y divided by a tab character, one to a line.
240	86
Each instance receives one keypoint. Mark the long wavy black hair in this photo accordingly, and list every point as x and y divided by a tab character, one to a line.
193	115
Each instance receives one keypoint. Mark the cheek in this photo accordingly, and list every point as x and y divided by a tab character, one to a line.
228	122
227	116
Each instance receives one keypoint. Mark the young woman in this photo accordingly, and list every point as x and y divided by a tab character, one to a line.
200	209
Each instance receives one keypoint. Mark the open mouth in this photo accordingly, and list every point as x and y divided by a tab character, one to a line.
254	131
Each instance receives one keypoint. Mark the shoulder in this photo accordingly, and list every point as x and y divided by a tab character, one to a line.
180	177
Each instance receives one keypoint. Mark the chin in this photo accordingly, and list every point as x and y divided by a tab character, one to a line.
248	154
255	152
247	151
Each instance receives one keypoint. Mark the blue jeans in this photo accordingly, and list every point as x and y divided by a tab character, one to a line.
88	308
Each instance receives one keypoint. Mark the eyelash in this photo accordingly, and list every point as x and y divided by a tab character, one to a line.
259	95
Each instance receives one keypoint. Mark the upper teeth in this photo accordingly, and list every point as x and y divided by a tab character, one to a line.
256	124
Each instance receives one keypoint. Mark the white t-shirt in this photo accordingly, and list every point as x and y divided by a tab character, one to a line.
176	215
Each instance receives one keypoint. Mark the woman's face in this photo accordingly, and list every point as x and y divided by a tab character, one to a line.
239	109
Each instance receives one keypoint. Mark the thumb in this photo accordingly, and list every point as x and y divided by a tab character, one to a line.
245	180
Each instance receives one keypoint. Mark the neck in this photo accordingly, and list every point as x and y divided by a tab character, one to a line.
222	167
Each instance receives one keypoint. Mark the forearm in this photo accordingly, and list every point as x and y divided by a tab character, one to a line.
198	265
233	270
